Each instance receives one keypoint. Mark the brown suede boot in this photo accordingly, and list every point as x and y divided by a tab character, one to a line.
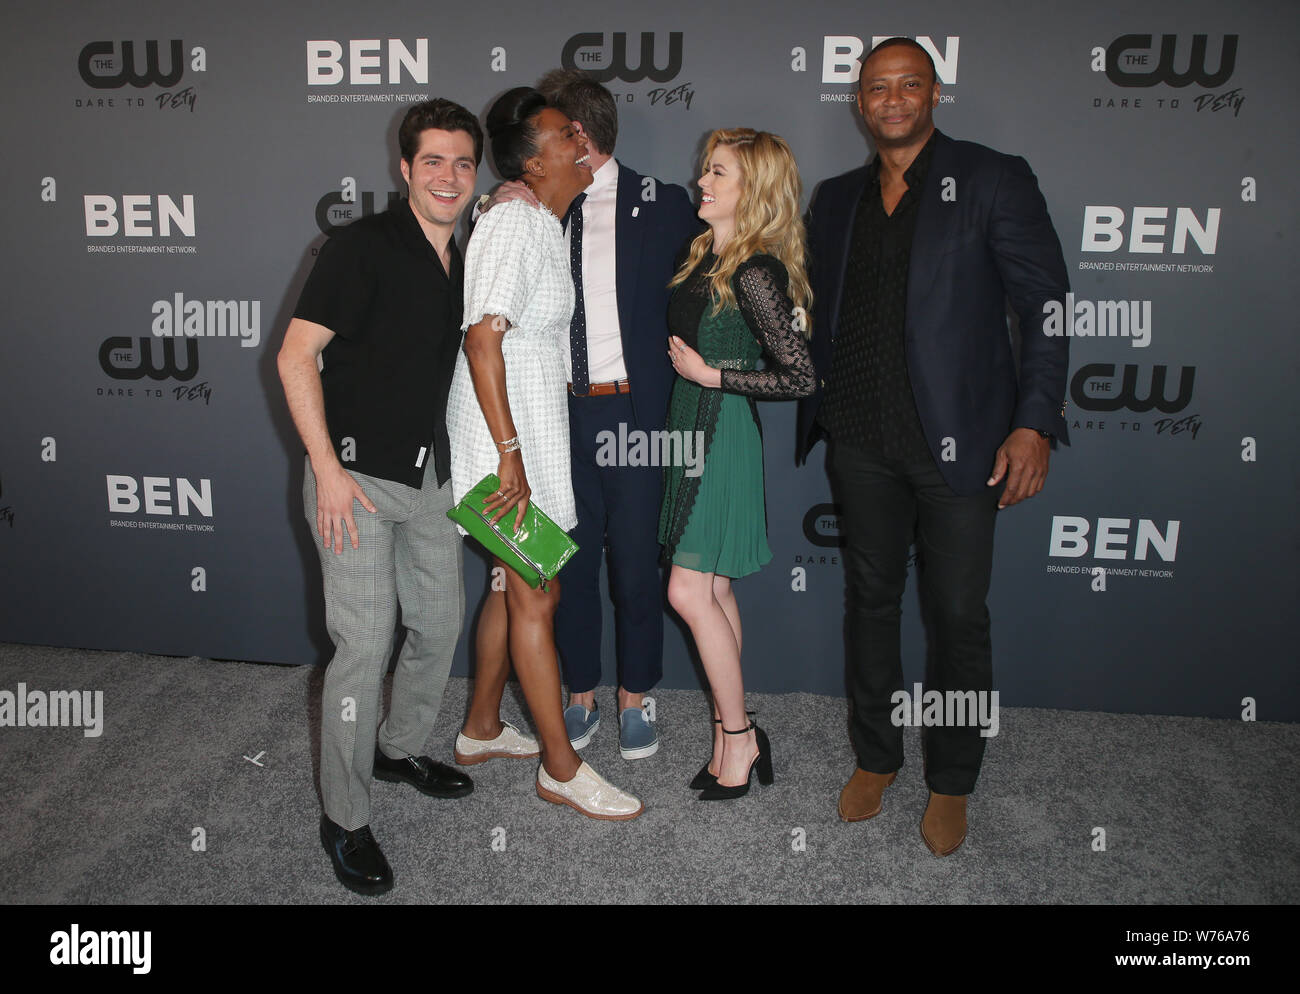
860	798
944	824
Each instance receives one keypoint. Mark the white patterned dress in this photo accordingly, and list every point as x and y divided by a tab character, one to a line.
517	266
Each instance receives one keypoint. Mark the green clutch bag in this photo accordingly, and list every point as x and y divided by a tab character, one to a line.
537	551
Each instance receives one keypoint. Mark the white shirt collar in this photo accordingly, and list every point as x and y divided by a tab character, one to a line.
604	178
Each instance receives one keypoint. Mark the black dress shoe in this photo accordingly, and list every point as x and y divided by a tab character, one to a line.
424	774
358	862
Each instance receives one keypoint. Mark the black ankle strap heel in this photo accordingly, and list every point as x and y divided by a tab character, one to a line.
721	792
704	778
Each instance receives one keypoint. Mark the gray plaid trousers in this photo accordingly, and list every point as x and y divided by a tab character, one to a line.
409	556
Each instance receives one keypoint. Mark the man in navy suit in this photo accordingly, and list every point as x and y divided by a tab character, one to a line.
624	236
933	429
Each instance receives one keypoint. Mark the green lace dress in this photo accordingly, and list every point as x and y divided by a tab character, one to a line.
714	514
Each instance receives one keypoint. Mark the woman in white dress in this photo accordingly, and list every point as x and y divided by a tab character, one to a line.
508	414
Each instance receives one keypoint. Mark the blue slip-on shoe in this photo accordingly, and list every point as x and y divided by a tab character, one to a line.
581	724
637	737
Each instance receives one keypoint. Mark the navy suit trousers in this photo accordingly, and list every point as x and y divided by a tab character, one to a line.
618	507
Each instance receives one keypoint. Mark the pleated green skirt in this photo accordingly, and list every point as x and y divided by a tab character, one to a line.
722	517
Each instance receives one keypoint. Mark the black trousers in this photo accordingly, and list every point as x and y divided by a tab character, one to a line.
884	505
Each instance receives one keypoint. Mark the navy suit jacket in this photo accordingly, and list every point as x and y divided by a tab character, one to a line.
649	229
983	239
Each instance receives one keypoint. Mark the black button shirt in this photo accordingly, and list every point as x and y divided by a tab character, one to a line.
868	402
379	286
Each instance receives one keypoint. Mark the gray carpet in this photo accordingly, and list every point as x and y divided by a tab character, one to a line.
1194	810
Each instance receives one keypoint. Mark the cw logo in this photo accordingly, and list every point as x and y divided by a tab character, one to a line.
120	359
336	209
821	526
1164	71
1098	378
103	50
578	54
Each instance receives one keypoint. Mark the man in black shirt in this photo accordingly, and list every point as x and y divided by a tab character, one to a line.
932	427
868	402
382	311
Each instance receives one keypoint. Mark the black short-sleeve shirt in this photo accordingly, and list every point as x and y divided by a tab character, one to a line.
395	313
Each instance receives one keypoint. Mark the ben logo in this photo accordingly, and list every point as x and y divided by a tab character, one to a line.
1113	538
1132	61
139	216
133	359
1148	230
586	51
842	55
367	62
1095	388
158	492
821	526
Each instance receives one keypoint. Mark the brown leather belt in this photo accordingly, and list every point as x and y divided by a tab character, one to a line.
604	389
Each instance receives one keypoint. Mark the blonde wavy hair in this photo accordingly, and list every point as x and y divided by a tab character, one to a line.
767	217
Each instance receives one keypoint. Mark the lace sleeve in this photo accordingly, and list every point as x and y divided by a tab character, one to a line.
760	286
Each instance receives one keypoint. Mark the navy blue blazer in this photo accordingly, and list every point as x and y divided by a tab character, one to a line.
649	229
983	239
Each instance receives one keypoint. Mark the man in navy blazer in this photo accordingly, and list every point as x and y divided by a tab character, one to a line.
933	426
631	229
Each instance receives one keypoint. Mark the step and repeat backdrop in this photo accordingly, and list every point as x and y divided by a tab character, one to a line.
171	171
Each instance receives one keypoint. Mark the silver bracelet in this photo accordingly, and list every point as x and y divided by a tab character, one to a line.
511	445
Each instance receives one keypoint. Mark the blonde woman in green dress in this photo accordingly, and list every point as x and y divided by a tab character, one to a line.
740	293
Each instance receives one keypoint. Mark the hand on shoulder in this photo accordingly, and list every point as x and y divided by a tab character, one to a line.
509	191
511	219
